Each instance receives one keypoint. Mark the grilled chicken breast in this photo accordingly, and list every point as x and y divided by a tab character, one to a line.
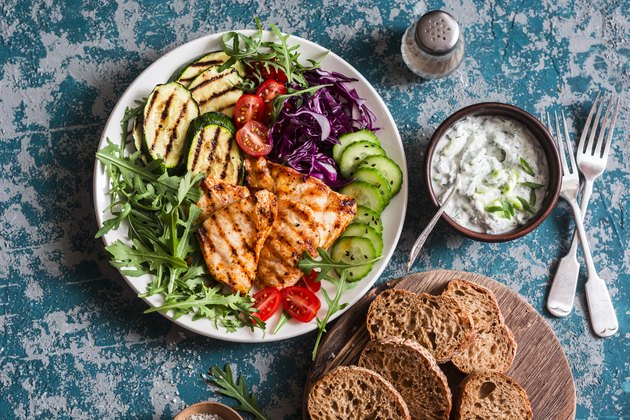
294	231
216	194
328	215
231	239
333	211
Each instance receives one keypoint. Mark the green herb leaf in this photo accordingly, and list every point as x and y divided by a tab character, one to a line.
326	264
532	185
278	101
532	197
283	320
526	205
526	167
224	379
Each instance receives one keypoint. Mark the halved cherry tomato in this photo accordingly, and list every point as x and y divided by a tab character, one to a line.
267	301
300	303
308	281
268	90
248	107
253	138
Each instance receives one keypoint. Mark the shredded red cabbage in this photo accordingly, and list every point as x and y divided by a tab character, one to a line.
309	126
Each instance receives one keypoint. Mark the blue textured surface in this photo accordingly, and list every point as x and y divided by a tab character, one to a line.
74	340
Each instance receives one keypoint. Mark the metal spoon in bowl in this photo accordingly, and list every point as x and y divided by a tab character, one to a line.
427	230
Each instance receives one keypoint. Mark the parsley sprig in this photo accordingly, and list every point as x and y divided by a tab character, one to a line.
224	379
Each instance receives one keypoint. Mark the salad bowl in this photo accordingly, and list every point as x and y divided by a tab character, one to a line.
393	216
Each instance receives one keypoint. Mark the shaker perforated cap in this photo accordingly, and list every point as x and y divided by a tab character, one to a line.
437	32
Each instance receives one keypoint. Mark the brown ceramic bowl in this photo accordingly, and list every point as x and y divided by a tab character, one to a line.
209	407
546	143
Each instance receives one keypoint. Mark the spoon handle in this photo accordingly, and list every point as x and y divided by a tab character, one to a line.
417	246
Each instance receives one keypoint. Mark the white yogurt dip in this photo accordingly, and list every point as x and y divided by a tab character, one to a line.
503	173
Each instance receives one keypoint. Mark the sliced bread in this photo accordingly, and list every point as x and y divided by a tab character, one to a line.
414	373
494	346
351	392
438	323
492	395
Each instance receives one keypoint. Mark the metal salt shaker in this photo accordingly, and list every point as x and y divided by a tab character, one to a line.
433	46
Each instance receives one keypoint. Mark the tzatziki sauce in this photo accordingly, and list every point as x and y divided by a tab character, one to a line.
503	173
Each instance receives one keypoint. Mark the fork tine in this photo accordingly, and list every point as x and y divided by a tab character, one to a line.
587	125
565	168
590	146
569	146
602	129
611	128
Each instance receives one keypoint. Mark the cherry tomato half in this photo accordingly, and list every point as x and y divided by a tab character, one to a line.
267	301
308	281
268	90
248	107
300	303
253	138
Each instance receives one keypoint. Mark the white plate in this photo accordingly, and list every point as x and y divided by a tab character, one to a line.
393	217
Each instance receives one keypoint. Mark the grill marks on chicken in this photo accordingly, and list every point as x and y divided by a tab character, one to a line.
231	239
217	194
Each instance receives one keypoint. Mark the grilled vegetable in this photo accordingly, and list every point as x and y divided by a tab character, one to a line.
188	72
217	91
213	150
169	110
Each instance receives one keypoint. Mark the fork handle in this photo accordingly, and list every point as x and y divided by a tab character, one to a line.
601	312
562	293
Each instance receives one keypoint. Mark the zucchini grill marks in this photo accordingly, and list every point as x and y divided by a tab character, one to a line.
217	91
169	110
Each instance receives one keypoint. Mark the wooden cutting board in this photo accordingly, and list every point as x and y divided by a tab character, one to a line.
540	365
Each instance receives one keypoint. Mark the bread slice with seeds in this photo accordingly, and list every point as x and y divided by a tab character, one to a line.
351	392
494	346
414	373
438	323
492	395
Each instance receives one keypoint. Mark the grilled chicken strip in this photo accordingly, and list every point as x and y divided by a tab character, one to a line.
294	231
231	239
333	211
216	194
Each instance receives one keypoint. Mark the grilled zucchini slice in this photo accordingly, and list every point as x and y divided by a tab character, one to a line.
169	110
188	72
214	151
217	91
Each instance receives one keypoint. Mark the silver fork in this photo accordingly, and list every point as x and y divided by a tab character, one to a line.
592	155
602	314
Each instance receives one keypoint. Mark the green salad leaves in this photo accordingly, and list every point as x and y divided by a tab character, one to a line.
160	212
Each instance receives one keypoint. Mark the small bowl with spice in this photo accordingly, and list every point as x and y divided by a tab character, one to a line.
208	410
510	171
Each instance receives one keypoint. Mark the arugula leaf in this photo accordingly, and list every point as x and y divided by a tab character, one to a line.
526	167
224	379
334	305
326	264
284	318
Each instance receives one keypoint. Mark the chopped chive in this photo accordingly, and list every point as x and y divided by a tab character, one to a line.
532	185
526	205
526	167
532	197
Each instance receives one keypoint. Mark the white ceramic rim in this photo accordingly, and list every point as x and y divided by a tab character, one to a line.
393	217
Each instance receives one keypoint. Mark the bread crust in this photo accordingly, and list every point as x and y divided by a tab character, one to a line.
416	376
333	390
475	397
421	318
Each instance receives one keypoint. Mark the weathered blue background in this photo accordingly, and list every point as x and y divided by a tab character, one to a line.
74	340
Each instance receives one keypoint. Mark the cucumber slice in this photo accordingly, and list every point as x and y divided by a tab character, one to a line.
374	177
365	231
354	154
366	195
388	168
217	91
169	110
346	139
354	249
368	217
